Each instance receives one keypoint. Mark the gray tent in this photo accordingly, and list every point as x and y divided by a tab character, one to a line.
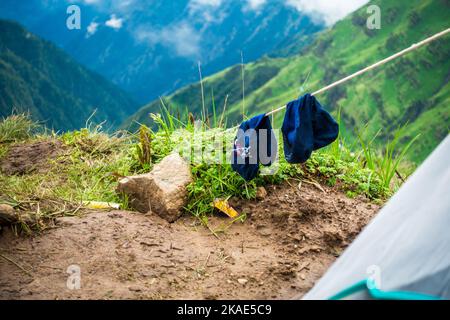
406	247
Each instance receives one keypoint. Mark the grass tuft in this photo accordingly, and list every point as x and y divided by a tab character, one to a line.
17	127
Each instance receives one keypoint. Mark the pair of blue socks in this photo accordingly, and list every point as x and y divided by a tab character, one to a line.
306	127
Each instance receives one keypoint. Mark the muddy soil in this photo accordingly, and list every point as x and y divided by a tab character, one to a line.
287	242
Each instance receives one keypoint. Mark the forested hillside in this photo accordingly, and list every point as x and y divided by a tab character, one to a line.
37	77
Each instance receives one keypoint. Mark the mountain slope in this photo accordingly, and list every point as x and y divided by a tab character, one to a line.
155	47
36	76
413	89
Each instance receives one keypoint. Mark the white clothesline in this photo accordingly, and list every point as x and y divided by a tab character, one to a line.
371	67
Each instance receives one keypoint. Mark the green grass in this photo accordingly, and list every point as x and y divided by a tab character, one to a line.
16	127
386	162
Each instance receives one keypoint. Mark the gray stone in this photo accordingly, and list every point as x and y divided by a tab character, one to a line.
7	214
162	191
66	221
261	193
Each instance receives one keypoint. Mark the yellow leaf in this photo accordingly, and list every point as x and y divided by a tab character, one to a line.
223	206
101	205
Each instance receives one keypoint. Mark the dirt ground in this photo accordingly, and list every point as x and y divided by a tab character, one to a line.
287	242
25	158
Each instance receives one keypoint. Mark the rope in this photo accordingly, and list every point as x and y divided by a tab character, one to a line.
373	66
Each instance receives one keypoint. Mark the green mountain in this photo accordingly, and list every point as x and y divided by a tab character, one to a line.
37	77
155	47
412	89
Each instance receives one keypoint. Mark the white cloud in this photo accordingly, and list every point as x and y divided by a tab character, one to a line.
125	6
116	4
326	11
114	22
92	29
204	7
256	4
182	38
206	11
210	3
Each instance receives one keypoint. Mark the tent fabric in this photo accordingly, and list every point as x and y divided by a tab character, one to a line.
306	127
408	241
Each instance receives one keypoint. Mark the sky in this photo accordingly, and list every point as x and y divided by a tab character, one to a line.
325	11
185	39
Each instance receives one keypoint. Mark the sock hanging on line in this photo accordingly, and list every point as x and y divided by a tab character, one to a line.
306	127
255	143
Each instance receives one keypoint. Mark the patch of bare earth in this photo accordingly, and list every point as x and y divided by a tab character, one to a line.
288	241
24	158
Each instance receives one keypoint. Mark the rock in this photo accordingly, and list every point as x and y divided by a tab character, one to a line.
7	214
65	221
162	191
261	193
332	236
135	289
210	295
242	281
264	231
